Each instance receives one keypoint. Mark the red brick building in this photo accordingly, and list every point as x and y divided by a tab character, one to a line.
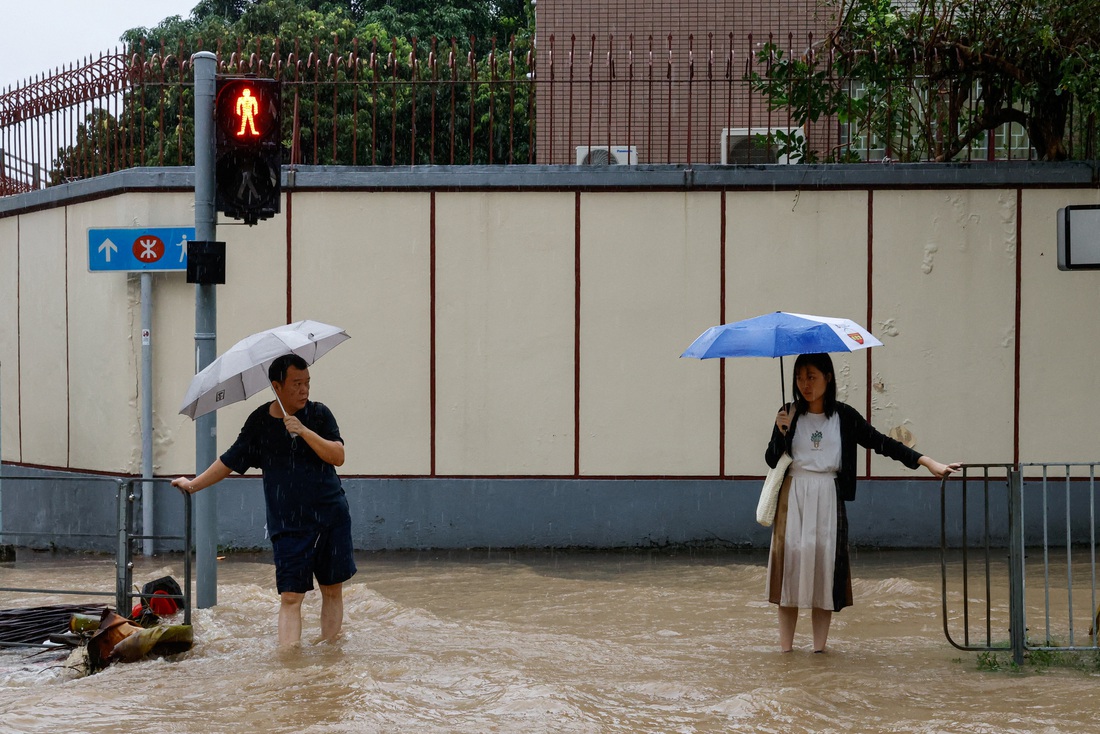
660	81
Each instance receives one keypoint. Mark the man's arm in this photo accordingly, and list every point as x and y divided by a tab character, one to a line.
213	474
329	451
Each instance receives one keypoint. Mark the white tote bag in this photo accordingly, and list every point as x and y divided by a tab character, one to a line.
769	495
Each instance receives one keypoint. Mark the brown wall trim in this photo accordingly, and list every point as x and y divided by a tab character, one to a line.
1016	346
577	334
68	386
431	335
870	305
289	258
18	329
722	320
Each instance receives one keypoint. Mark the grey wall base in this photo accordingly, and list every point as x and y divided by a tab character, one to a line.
423	513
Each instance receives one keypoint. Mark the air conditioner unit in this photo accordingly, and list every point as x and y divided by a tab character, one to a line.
747	145
602	155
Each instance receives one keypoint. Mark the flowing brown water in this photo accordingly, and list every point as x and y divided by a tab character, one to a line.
545	642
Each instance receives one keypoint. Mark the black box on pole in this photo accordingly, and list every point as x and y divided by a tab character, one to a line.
206	263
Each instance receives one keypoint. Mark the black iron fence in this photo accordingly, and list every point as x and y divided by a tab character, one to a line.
397	102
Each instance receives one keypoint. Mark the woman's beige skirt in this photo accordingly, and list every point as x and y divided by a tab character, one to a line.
803	557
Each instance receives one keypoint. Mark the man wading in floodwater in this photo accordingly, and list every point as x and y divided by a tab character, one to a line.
307	512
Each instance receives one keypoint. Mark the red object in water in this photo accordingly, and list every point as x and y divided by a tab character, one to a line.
161	605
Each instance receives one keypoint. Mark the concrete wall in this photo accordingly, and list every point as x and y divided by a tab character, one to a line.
516	336
80	512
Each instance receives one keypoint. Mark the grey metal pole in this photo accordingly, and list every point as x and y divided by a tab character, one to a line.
147	515
206	328
123	561
1017	626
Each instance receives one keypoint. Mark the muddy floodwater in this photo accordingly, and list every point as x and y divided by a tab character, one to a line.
543	642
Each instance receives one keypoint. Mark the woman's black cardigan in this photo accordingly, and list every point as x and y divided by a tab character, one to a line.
854	429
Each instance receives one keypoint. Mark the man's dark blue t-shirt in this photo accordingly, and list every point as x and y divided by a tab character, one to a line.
302	492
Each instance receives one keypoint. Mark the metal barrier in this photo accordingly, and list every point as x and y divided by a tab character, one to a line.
128	493
1074	486
993	489
1014	509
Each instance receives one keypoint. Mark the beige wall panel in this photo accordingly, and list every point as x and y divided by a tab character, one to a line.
9	339
362	261
943	288
173	344
505	280
650	283
804	252
44	358
1059	334
944	306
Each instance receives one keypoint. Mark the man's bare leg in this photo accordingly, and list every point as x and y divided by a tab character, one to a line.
290	618
332	611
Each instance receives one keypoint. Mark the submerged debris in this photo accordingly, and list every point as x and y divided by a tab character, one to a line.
119	640
35	626
96	634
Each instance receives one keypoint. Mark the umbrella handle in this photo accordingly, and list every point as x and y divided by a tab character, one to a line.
782	381
280	402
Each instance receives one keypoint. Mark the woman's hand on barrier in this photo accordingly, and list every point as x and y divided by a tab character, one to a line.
939	470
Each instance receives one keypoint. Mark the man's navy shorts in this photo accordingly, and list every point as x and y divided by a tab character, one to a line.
326	554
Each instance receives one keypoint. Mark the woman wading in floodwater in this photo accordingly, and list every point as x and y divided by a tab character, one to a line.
808	566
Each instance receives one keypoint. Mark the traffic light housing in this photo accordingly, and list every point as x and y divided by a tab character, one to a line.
248	162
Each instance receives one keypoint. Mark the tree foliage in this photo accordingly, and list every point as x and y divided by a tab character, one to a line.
352	92
930	78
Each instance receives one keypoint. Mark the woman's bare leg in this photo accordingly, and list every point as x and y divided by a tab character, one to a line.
788	620
821	620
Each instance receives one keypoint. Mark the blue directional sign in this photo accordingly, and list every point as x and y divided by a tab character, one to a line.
139	249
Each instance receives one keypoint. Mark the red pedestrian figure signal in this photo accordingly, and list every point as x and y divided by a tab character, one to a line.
246	110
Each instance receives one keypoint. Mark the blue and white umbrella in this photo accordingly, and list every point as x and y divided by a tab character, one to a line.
780	334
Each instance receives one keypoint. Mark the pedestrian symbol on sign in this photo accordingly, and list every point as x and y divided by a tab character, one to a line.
148	248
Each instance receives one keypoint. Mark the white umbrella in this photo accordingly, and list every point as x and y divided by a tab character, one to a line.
241	371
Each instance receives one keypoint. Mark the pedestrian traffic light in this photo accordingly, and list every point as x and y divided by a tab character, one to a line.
248	147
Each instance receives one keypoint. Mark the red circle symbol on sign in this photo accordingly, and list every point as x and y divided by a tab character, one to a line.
148	248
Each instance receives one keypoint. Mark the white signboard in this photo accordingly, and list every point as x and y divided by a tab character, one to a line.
1079	237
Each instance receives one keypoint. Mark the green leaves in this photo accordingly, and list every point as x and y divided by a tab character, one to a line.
932	78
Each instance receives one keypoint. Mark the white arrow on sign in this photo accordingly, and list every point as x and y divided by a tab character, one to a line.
107	248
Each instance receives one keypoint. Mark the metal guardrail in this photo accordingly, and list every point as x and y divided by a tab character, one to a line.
1013	507
1079	511
989	478
128	493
